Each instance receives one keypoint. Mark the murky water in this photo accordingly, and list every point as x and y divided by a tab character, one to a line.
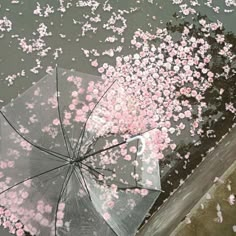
65	38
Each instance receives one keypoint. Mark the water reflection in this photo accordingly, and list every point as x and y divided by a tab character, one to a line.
217	120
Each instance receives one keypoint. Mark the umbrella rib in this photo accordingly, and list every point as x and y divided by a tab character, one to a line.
66	180
80	139
93	175
99	168
105	149
59	115
31	143
126	188
86	187
91	168
135	165
79	180
32	177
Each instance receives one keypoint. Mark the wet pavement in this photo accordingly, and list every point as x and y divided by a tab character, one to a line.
217	208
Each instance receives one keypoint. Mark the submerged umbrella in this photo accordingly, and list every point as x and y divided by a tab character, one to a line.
77	158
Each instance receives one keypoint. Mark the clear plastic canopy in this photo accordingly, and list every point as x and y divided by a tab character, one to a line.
76	156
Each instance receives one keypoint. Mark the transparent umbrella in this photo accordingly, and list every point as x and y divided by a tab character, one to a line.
77	157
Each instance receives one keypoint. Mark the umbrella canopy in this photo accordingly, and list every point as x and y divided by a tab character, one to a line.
77	157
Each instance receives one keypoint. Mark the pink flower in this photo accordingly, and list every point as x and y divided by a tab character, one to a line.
60	215
20	211
59	223
181	115
89	98
213	26
159	155
1	211
85	108
27	183
186	11
173	146
106	216
10	164
7	213
187	155
74	94
94	63
75	101
66	122
67	115
38	217
61	206
19	201
127	157
188	114
210	74
12	230
18	225
48	209
13	218
70	78
133	149
182	126
20	232
110	204
72	107
6	224
101	70
81	91
114	187
24	195
3	165
78	119
56	121
144	192
33	231
40	208
44	222
202	22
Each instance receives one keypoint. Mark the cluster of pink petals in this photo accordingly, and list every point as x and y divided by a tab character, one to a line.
13	201
60	214
43	11
92	4
230	107
11	78
9	221
111	23
158	76
36	45
5	24
187	7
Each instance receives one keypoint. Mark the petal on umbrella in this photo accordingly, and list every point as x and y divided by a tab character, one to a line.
33	202
79	212
35	116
